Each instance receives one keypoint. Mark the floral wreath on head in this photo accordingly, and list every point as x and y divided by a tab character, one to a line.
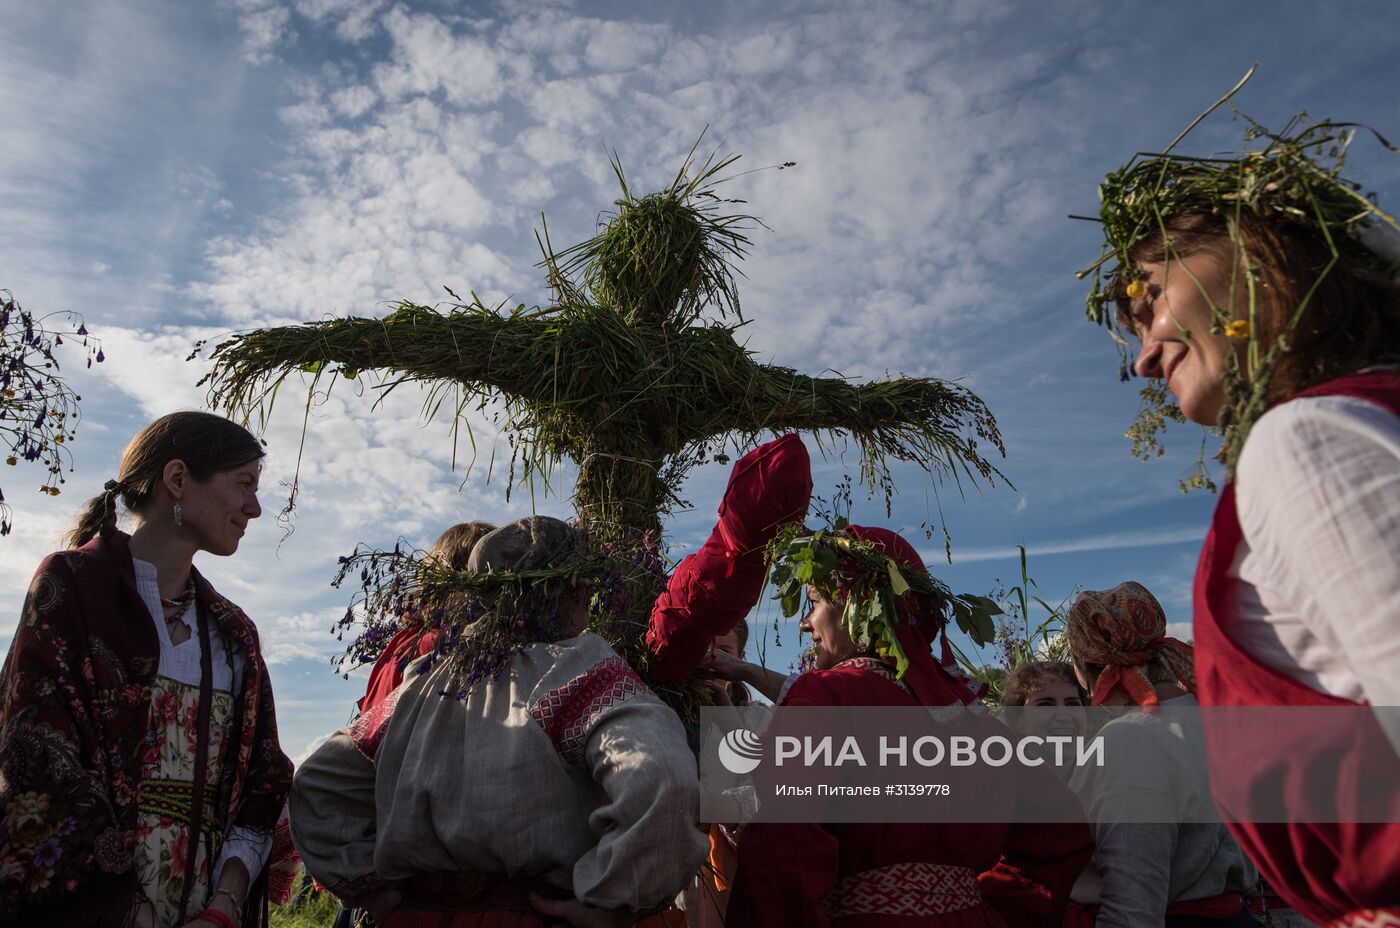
1296	178
866	582
479	620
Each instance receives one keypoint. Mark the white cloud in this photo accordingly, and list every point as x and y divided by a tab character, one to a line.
1180	631
265	26
354	19
619	46
286	638
429	57
354	101
1112	541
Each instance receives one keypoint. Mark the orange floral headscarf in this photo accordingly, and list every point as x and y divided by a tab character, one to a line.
1121	630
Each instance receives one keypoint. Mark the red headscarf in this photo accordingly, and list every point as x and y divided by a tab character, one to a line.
934	683
1121	630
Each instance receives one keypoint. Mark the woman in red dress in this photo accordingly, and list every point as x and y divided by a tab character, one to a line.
1263	292
910	874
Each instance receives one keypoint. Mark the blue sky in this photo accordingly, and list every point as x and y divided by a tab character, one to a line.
178	171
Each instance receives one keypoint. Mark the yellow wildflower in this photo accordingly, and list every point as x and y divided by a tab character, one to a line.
1135	290
1238	330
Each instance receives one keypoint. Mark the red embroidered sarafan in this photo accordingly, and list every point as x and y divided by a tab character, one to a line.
74	717
814	874
1331	871
567	713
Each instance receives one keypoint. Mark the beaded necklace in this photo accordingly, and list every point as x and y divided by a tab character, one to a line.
181	604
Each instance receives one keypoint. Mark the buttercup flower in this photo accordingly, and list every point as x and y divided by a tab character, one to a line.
1238	330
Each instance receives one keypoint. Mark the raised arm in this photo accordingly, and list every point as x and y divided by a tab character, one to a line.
713	589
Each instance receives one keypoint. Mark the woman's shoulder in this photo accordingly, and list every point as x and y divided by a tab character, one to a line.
579	651
230	617
94	553
848	683
1329	413
574	663
1313	436
90	564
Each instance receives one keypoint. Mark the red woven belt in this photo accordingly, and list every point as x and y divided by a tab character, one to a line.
1368	918
905	889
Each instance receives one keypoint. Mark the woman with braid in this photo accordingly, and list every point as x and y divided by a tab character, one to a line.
140	773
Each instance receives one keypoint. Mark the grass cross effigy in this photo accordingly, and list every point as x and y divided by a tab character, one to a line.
622	374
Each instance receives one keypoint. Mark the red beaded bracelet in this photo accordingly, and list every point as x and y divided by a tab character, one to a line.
217	917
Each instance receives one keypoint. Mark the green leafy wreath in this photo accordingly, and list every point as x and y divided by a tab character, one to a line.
866	581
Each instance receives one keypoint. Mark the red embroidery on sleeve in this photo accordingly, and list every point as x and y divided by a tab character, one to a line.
567	713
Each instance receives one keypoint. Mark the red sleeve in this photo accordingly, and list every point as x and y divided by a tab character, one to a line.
387	673
714	588
1030	885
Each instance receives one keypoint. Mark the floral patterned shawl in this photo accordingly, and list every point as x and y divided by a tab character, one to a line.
73	718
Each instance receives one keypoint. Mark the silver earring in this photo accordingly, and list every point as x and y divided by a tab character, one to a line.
179	514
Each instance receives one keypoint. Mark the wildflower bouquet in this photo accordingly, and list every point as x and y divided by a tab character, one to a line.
38	410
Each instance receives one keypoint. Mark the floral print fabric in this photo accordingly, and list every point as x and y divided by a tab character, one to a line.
165	797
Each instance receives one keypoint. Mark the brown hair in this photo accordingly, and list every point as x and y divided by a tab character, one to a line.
741	632
1029	676
1351	321
454	546
208	444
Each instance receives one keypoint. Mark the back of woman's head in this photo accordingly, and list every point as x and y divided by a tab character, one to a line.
454	547
1351	319
208	444
1118	639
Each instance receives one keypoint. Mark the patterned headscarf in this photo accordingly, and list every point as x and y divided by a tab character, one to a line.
1121	630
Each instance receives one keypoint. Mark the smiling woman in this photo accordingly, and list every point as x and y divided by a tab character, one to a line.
131	680
1264	292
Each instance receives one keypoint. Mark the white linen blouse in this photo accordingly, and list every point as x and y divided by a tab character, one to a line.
1317	492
